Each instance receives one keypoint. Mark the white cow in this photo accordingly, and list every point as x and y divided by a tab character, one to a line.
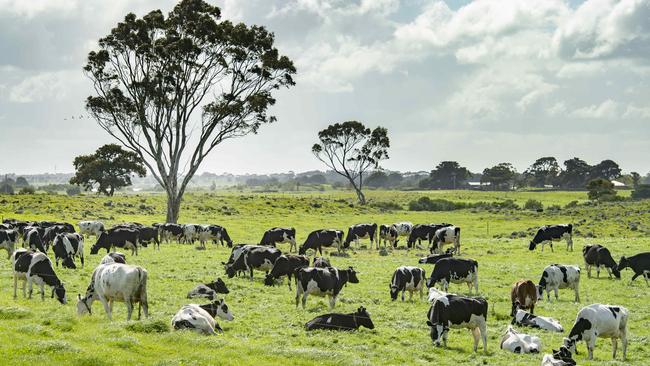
403	228
519	342
88	228
191	232
535	321
116	282
598	320
558	276
200	318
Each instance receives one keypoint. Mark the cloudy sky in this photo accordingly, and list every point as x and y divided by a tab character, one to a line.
480	82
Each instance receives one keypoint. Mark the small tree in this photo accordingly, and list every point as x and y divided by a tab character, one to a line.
73	191
447	175
108	169
27	190
499	176
543	171
642	191
6	188
21	182
533	205
636	179
600	189
351	150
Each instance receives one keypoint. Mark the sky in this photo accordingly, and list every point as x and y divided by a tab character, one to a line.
479	82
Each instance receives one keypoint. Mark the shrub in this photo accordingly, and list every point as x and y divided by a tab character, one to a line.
642	191
6	188
427	204
73	191
600	189
533	205
571	204
27	190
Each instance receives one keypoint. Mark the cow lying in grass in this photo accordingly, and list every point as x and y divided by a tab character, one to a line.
200	318
335	321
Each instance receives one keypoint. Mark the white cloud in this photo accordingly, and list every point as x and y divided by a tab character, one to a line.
44	87
634	112
29	8
608	109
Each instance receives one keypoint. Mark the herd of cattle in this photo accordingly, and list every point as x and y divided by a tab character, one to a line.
115	280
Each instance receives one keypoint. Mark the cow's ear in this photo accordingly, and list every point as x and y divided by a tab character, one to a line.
429	323
223	263
79	297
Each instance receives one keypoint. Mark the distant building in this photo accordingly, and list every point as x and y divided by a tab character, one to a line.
618	184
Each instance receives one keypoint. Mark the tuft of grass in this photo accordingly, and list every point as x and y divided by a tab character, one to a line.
54	346
13	312
148	326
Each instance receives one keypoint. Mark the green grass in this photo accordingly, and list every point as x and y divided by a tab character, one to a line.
268	329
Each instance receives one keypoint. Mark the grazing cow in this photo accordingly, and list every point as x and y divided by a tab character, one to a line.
455	270
598	255
115	257
215	233
561	357
8	241
423	232
318	239
446	235
116	282
252	257
524	295
191	233
35	267
91	228
559	276
209	290
28	228
598	320
286	265
639	263
407	278
550	233
454	311
66	247
147	235
118	238
322	281
434	258
170	231
335	321
516	342
51	232
200	318
403	228
33	240
387	233
525	319
360	231
321	262
280	235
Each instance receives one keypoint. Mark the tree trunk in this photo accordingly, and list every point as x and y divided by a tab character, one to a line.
360	196
173	207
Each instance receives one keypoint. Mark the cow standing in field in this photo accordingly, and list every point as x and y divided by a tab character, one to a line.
215	233
252	257
191	233
525	319
599	256
322	282
387	233
423	232
559	276
407	278
116	282
336	321
446	235
454	311
51	232
33	240
170	231
639	263
360	231
91	228
455	270
598	320
201	318
8	240
516	342
35	267
279	235
118	238
286	265
146	235
66	247
523	295
209	290
318	239
552	233
321	262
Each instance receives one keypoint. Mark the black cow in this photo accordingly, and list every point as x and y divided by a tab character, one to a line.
280	235
147	235
335	321
597	255
423	232
639	263
360	231
286	265
209	290
434	258
321	262
118	238
455	270
322	281
214	233
253	257
8	240
318	239
30	267
67	246
407	278
550	233
170	231
388	233
453	311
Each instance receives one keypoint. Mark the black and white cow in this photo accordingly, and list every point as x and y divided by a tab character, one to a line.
279	235
360	231
191	233
599	256
8	240
114	257
209	290
424	232
335	321
550	233
32	239
148	234
169	232
318	239
454	311
118	238
67	246
446	235
525	319
322	281
36	268
561	357
286	265
51	232
201	318
516	342
321	262
559	276
598	320
253	257
403	228
215	233
639	263
455	270
407	278
387	233
91	228
434	258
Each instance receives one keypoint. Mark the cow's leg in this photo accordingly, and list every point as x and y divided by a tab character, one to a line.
609	272
597	270
590	347
297	294
42	288
16	285
588	271
24	289
82	260
403	294
332	302
107	308
421	292
624	342
29	287
251	274
476	336
483	329
444	337
304	299
614	346
555	290
576	288
129	307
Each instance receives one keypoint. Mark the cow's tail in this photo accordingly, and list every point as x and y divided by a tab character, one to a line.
142	289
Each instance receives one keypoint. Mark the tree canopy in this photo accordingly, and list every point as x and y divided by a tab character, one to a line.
543	171
446	175
499	176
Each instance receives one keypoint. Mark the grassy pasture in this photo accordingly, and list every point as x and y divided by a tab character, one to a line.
268	329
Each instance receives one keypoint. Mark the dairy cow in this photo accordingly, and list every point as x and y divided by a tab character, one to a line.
209	290
455	270
360	231
525	319
407	278
598	256
559	276
252	257
321	262
67	246
561	357
91	228
598	320
523	295
322	282
434	258
639	263
33	240
169	232
335	321
8	240
446	235
286	265
279	235
36	268
423	232
454	311
516	342
550	233
318	239
387	233
117	238
201	318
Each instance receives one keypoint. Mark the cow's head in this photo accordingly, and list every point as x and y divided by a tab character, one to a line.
532	245
570	345
515	305
362	317
616	272
352	275
220	309
59	292
622	264
84	305
230	271
269	280
68	262
437	331
219	286
431	281
564	354
302	250
102	242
